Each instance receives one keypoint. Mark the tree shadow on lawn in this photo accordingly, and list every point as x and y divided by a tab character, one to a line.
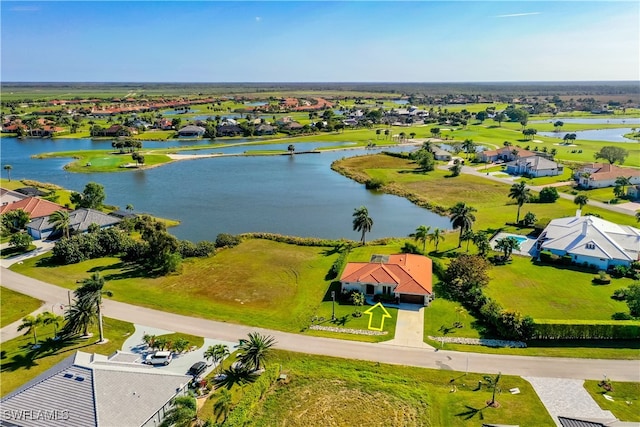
333	287
27	356
127	271
472	412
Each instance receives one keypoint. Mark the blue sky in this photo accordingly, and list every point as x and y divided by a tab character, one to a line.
312	41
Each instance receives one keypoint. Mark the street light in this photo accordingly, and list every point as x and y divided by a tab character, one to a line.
333	305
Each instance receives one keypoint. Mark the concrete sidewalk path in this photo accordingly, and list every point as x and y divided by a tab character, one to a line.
567	398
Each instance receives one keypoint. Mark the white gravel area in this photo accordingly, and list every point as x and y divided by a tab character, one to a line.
567	398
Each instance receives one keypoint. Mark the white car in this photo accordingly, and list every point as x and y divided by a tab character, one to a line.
159	358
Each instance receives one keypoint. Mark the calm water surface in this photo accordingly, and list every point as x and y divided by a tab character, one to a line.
296	195
613	135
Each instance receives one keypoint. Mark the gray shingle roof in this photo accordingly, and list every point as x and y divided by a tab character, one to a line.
93	390
79	220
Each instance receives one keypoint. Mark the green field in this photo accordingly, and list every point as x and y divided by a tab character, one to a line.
626	398
19	364
329	391
14	306
534	289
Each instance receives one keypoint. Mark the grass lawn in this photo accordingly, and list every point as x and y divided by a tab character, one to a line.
626	398
12	251
19	364
546	180
61	196
259	283
349	392
534	289
14	306
89	161
490	198
193	339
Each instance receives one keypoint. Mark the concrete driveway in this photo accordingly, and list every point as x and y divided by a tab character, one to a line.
181	362
409	327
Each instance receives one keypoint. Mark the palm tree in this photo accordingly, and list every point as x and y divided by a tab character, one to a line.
31	323
255	350
362	221
182	412
421	235
222	407
507	245
78	317
521	194
91	290
436	237
468	145
623	181
217	353
61	221
8	169
581	200
468	237
493	382
462	217
291	149
49	318
481	240
129	207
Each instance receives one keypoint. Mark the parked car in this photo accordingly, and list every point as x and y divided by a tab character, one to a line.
197	368
159	358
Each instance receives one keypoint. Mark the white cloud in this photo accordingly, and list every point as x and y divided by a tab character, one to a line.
512	15
258	18
24	9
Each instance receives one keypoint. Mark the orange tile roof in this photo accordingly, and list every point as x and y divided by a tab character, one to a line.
34	206
606	171
410	273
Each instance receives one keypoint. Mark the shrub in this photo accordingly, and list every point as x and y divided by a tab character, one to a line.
602	278
339	263
373	184
621	316
620	294
529	219
548	195
242	413
620	271
20	241
410	248
226	240
202	249
551	331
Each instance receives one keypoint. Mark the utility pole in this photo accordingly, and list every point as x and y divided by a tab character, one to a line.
333	305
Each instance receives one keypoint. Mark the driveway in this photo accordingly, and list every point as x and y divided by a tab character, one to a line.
409	327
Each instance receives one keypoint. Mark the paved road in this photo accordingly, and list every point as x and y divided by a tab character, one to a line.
620	370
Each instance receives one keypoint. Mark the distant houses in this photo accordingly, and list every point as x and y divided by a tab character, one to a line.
534	166
506	154
600	175
191	131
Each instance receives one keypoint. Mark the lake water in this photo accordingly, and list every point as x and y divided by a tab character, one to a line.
589	121
296	195
612	135
401	101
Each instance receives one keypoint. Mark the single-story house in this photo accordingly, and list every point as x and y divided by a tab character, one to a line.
34	206
506	154
534	166
95	390
191	131
600	175
591	240
79	222
407	277
440	154
265	129
116	130
228	130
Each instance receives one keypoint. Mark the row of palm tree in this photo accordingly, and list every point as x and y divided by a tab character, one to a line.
423	234
32	323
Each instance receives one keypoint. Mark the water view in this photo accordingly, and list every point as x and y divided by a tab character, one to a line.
587	121
612	135
296	195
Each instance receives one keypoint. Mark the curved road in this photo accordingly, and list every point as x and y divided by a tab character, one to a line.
620	370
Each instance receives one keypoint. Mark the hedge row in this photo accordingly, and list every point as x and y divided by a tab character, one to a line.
554	331
243	411
295	240
339	263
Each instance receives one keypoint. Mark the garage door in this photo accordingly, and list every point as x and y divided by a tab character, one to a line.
413	299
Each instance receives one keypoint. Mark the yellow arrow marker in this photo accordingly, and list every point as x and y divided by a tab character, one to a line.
373	313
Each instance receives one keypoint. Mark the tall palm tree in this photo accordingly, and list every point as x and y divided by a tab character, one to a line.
61	221
182	413
31	324
468	145
436	236
421	235
49	318
255	350
581	200
92	291
623	181
462	217
521	194
493	382
78	317
8	169
481	240
468	237
217	353
362	221
222	407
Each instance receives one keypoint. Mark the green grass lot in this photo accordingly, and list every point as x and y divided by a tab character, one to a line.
14	306
626	398
61	196
103	160
604	195
349	392
546	180
490	198
533	289
259	283
20	364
